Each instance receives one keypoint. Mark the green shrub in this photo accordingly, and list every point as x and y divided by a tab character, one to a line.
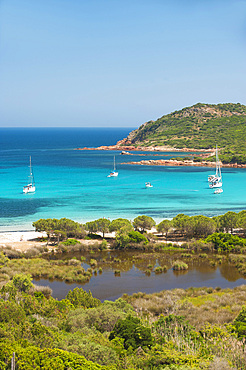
137	237
70	242
133	333
80	298
225	242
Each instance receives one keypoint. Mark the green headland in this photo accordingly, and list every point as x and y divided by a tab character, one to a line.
201	127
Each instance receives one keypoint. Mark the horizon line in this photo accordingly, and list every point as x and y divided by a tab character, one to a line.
91	127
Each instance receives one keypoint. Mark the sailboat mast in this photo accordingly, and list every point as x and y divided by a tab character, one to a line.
216	172
114	162
31	173
219	170
30	167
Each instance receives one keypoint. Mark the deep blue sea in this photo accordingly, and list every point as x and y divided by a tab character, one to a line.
74	184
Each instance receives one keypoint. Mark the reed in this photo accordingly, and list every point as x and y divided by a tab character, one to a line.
180	265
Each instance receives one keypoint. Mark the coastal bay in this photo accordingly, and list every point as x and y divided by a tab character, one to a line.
74	184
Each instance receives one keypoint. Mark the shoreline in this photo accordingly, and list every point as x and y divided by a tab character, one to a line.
162	162
188	163
20	236
124	148
22	240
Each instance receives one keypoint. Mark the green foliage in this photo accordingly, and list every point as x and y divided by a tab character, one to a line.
22	282
168	326
49	334
71	242
164	226
3	259
180	222
93	263
80	298
67	270
241	220
160	269
10	311
29	357
93	346
225	242
41	335
91	226
102	225
199	127
180	265
129	239
103	245
122	237
241	317
133	333
101	318
119	223
194	226
239	324
229	221
63	227
143	223
136	237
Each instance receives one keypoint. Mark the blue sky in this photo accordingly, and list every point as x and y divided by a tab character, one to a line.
117	62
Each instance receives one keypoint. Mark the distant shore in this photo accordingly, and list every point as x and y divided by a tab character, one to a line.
125	148
173	162
163	162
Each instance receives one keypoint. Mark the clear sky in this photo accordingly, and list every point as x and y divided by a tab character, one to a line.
117	62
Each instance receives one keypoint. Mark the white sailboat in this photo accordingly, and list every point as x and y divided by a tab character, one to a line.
215	177
216	182
114	173
30	188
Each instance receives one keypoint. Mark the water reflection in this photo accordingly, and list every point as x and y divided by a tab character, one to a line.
229	272
133	279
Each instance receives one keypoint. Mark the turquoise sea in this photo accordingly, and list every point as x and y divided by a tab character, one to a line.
74	184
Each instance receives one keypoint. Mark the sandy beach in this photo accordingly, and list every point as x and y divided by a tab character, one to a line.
21	240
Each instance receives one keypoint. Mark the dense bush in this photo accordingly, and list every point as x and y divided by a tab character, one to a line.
225	242
239	324
29	357
134	334
49	334
80	298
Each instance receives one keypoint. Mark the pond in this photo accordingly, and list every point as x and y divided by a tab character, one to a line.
204	271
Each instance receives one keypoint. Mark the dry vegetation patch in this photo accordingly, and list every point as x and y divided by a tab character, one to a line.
198	305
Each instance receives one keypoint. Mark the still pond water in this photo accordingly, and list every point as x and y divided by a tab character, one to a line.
133	279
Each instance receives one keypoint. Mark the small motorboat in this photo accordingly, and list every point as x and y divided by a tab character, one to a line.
148	185
218	191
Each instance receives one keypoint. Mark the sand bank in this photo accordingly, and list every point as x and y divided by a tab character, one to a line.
19	236
21	240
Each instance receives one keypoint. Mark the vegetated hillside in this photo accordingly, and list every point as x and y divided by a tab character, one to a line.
201	126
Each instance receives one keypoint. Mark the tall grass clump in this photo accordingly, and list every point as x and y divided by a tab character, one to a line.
180	265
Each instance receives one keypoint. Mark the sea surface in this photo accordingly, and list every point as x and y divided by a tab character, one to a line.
74	184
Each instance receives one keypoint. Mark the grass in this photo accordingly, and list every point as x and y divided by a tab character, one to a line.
180	265
198	305
67	270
